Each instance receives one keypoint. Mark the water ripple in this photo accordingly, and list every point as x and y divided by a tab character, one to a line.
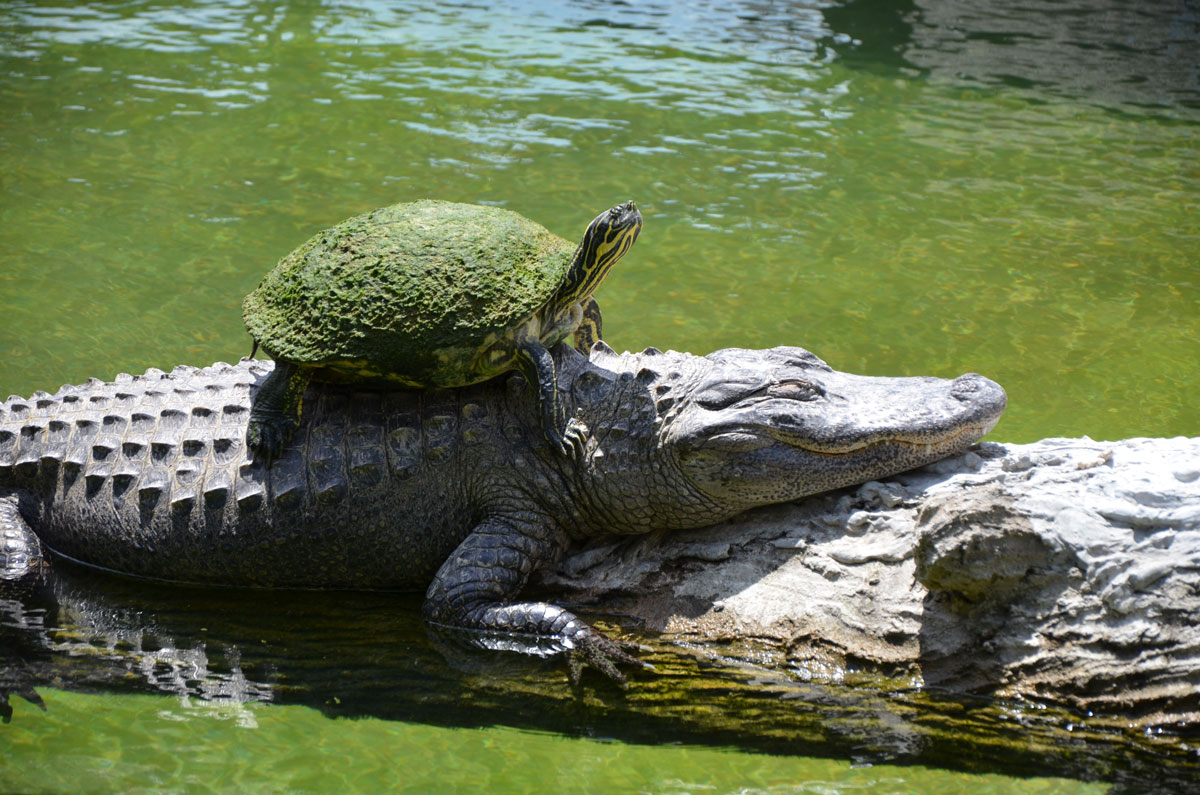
1140	54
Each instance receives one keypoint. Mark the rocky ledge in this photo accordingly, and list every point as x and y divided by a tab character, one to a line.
1065	571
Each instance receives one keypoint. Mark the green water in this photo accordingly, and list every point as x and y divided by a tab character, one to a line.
146	744
903	188
230	691
157	160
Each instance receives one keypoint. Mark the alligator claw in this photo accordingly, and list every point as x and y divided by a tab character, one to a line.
603	653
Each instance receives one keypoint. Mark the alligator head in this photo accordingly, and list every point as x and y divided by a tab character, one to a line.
742	428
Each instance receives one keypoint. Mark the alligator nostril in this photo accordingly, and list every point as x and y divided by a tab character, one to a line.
975	388
967	387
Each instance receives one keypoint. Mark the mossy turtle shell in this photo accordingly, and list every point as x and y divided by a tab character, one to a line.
409	293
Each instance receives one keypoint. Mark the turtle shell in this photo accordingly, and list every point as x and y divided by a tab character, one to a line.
409	293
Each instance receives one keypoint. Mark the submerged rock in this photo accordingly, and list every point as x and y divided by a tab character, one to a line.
1063	571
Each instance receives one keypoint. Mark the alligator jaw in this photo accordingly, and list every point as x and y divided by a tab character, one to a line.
949	442
840	430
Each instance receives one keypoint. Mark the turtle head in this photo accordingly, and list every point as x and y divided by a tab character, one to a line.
606	240
614	230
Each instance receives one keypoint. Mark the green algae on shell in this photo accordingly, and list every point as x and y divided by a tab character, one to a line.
408	291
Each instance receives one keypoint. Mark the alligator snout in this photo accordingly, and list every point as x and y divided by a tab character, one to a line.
975	388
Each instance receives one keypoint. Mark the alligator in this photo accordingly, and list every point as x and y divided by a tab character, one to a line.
451	491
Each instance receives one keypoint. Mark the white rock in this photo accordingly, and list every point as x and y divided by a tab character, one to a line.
1065	570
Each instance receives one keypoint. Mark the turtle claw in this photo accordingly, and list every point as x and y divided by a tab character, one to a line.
573	442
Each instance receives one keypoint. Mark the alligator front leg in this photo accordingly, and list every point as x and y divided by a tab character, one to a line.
475	590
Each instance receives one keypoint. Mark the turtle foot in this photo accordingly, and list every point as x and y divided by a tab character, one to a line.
266	436
573	442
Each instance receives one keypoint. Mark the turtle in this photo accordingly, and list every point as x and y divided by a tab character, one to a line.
430	294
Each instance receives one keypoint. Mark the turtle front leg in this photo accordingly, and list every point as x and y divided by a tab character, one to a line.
275	411
589	330
475	590
537	365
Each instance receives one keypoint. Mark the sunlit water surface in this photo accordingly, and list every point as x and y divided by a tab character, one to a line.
145	744
904	188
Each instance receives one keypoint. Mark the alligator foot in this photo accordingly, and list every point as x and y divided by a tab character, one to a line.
603	653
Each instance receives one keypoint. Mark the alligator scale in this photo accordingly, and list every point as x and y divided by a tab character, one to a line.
456	492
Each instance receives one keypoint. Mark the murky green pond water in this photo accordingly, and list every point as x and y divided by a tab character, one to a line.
925	187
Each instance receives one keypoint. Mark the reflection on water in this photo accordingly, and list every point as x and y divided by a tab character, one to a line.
921	187
1140	54
221	657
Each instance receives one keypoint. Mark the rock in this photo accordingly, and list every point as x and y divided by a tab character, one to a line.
1064	571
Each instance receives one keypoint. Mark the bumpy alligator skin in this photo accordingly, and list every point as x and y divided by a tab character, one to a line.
453	491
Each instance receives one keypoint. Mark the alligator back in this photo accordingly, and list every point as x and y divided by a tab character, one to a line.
149	475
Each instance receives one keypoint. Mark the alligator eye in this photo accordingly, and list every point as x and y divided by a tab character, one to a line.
737	442
723	394
795	390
